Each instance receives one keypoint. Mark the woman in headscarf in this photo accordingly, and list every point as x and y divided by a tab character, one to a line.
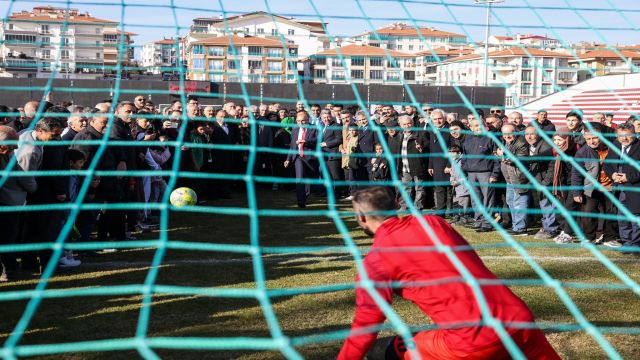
562	178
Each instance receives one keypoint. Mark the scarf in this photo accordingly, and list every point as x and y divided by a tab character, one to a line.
288	123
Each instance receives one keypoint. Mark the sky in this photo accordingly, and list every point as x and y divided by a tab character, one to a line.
602	21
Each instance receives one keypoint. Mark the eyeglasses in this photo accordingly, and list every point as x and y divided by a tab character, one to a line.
496	111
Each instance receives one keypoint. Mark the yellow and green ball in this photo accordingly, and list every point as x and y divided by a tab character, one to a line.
183	197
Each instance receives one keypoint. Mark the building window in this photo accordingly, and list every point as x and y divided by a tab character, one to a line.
216	51
98	55
357	74
274	52
46	54
44	29
274	32
547	63
525	89
410	47
46	40
216	64
291	32
399	47
97	43
274	79
336	62
357	61
216	77
292	65
375	74
253	78
321	60
198	50
526	62
393	76
546	89
321	74
260	30
197	63
232	78
255	50
409	75
19	39
231	65
376	62
10	26
64	55
274	65
526	75
255	64
338	75
375	44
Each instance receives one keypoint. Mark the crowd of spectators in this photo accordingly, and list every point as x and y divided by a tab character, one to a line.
478	170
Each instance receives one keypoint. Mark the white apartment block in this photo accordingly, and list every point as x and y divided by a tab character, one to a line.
35	42
309	36
363	64
161	56
425	61
526	73
406	38
242	59
498	42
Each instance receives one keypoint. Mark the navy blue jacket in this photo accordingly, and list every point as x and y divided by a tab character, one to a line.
479	145
631	198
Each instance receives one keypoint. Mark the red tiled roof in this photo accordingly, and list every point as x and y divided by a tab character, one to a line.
364	50
412	31
79	18
511	52
441	51
609	54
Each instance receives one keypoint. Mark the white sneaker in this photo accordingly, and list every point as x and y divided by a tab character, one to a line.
348	198
598	240
563	238
68	261
612	244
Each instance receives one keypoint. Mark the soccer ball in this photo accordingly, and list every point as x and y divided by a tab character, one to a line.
183	197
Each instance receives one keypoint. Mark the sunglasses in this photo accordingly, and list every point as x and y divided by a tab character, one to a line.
496	111
141	99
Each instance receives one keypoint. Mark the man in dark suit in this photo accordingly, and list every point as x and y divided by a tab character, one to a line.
223	160
331	139
411	167
625	175
303	143
367	140
442	193
542	169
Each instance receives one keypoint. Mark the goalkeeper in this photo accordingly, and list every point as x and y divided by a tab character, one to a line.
446	298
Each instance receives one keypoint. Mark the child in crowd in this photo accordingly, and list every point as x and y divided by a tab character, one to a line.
86	219
461	194
380	166
157	156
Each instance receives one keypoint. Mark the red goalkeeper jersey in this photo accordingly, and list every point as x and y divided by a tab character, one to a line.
448	301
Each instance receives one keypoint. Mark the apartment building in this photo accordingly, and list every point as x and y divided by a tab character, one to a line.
161	56
113	37
242	58
500	42
427	61
526	73
363	64
37	42
406	38
605	62
308	35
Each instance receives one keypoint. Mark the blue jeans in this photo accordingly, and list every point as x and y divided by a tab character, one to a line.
518	205
548	215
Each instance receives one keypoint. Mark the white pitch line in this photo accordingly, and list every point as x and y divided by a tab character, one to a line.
293	259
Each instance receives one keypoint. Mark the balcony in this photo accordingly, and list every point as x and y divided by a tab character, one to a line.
275	55
19	64
89	59
274	70
89	33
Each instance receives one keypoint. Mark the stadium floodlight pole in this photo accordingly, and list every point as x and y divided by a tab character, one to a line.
488	4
